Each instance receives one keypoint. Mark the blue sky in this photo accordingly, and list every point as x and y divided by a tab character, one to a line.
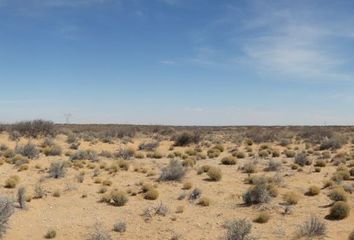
184	62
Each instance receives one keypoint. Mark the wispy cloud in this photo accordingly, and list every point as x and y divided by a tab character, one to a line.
285	40
168	62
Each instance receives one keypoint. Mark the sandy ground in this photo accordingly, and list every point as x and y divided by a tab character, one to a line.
74	217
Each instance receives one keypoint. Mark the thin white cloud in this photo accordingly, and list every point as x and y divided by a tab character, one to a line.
168	62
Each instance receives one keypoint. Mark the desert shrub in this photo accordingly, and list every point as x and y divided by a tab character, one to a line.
263	153
14	136
214	174
6	210
34	128
239	229
149	146
338	194
262	217
204	201
39	191
189	162
313	227
340	175
289	153
51	233
151	194
301	159
273	165
29	150
53	150
332	143
313	191
249	167
291	198
203	169
99	234
228	160
339	210
275	153
118	198
316	135
174	171
21	197
85	155
257	194
186	138
120	227
12	182
195	194
125	153
57	169
351	171
213	153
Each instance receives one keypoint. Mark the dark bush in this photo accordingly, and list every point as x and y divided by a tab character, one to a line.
187	138
257	194
302	159
34	128
29	150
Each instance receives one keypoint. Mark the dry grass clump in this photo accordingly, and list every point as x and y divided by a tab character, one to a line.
51	233
214	174
289	153
338	194
187	185
204	201
53	150
230	160
273	165
116	198
262	217
339	211
174	171
12	181
249	167
213	153
313	191
151	194
312	228
291	198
